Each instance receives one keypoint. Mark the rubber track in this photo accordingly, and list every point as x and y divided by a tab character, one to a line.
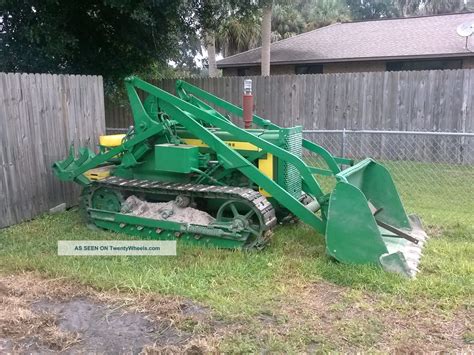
259	201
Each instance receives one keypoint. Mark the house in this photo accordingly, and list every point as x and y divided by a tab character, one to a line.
415	43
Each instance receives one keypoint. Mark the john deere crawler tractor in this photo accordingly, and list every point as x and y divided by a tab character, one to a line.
185	171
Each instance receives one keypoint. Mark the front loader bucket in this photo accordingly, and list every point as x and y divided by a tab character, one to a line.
366	221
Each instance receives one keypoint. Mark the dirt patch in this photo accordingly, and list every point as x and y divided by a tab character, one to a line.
47	316
101	328
358	321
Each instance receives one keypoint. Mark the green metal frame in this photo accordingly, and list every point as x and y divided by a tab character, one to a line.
193	94
354	233
185	114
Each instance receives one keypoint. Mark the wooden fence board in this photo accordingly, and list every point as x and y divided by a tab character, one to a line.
438	100
40	116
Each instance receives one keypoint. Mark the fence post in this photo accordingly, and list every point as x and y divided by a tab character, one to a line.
343	145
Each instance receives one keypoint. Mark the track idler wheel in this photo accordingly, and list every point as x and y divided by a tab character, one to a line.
106	199
243	217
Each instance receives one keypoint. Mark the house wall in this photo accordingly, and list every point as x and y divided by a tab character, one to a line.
282	69
353	67
330	68
468	63
229	72
250	71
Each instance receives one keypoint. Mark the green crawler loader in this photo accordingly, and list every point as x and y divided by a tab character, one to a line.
185	171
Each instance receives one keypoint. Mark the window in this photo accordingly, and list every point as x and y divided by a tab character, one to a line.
242	71
425	65
309	69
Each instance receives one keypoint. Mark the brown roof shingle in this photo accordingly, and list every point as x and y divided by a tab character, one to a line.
428	36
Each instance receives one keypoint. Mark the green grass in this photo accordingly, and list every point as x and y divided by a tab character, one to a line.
233	283
241	285
442	194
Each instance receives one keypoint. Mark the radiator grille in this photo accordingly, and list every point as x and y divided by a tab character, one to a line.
292	178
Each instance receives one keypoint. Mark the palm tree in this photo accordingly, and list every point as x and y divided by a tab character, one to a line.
321	13
237	34
287	22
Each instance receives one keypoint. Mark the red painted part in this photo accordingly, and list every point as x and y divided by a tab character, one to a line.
248	110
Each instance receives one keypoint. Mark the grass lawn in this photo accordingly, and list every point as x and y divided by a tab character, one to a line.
289	297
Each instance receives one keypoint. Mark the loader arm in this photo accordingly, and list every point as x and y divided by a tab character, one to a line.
182	153
185	114
190	93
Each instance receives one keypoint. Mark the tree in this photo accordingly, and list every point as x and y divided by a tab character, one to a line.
238	33
266	36
434	7
210	42
287	21
113	38
321	13
430	7
372	9
227	26
208	14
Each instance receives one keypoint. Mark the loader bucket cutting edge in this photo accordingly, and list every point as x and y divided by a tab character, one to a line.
367	223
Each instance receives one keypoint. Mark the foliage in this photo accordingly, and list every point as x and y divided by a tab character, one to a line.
407	8
287	21
113	38
372	9
434	7
116	38
321	13
238	33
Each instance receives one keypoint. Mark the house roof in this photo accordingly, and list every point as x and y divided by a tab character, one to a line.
415	37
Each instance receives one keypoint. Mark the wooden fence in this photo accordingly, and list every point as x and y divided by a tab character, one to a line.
433	101
40	116
438	100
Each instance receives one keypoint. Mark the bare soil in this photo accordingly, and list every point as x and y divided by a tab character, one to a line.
360	321
50	316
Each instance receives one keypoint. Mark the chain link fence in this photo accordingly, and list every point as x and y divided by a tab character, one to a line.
433	171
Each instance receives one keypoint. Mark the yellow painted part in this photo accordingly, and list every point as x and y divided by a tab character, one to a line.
112	140
266	167
233	144
98	173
